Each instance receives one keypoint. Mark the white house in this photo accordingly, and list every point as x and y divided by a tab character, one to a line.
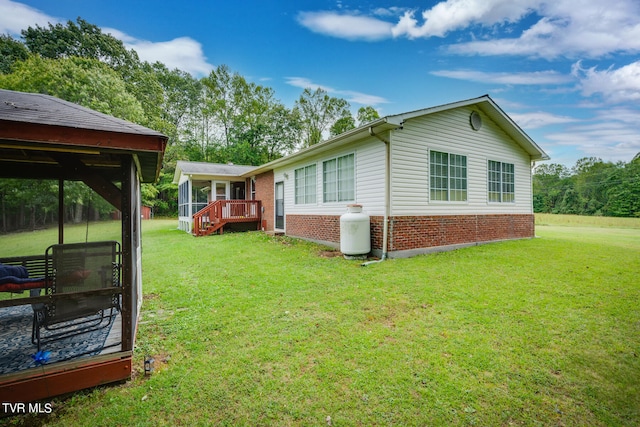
200	183
442	177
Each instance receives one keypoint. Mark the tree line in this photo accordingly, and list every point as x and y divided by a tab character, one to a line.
220	118
590	187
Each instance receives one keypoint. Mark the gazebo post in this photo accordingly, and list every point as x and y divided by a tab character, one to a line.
60	210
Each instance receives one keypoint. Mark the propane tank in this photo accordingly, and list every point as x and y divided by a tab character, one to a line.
355	233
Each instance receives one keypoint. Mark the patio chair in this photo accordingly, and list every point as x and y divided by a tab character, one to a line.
82	279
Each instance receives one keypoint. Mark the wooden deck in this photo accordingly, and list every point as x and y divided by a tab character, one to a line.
113	343
27	382
213	217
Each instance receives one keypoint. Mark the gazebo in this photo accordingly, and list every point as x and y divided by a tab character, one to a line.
43	137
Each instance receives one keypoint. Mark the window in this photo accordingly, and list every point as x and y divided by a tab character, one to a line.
183	199
199	197
305	185
338	179
448	177
501	182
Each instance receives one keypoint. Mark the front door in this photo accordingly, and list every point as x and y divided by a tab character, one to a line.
237	190
280	205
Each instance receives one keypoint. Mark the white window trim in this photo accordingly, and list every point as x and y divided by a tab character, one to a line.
501	202
446	202
315	187
355	181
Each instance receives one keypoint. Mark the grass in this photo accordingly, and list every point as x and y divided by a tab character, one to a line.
36	242
248	329
587	221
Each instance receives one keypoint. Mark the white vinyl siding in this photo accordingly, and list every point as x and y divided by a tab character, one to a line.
449	132
305	185
368	164
339	179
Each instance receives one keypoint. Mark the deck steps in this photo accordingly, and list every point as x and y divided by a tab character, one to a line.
213	217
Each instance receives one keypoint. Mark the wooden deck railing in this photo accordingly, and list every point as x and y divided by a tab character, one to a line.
216	214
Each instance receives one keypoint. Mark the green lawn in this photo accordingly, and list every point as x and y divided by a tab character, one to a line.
253	330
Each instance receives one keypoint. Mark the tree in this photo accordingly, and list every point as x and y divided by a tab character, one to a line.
367	115
181	92
550	181
11	51
592	177
223	91
242	122
342	125
318	112
79	40
85	40
623	194
86	82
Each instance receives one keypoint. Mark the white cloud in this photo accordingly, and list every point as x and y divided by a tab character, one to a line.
183	52
346	25
611	135
586	28
389	11
362	98
303	83
573	28
15	17
529	78
613	85
540	119
349	95
453	15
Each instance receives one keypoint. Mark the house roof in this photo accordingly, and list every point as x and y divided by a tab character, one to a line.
37	129
210	170
484	103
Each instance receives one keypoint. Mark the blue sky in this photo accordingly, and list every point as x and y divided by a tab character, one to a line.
567	71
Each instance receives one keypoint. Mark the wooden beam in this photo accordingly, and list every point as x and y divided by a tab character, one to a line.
98	183
81	138
61	211
28	170
130	217
61	378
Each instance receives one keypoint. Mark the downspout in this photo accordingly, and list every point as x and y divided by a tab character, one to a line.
387	196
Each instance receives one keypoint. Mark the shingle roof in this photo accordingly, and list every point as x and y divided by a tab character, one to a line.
49	110
33	127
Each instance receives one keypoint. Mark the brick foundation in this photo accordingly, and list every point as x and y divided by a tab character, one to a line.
324	228
408	233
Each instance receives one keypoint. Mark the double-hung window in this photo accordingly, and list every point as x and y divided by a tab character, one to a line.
305	185
338	179
501	182
448	177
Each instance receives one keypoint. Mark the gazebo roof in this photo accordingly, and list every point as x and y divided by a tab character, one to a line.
50	134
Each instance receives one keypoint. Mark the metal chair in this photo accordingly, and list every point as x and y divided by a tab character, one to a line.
83	283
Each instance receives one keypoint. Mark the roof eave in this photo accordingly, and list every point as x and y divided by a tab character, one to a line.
386	123
393	121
